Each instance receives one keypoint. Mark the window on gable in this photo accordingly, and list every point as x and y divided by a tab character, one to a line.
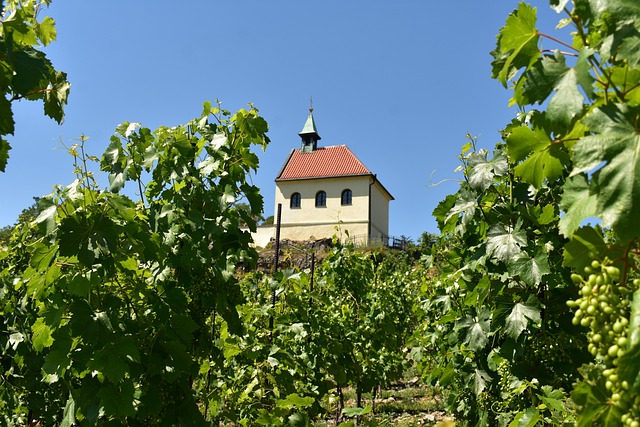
321	199
346	197
295	200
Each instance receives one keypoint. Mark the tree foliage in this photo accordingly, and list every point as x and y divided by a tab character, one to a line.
25	71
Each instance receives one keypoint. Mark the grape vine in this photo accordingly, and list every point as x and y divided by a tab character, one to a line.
132	312
516	242
107	301
25	71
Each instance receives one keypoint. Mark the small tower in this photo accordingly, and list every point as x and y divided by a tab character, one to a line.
309	134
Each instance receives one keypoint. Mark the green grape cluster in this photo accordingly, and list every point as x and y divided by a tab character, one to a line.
483	401
503	399
604	307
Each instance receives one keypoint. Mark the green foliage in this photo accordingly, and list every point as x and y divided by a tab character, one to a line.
5	235
589	127
107	300
268	220
605	308
495	330
516	229
425	242
588	138
347	328
25	71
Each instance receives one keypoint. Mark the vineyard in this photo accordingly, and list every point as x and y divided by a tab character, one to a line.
525	311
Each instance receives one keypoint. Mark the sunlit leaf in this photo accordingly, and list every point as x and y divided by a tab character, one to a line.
615	150
46	30
519	318
480	380
477	329
504	242
579	203
517	44
41	335
566	104
530	269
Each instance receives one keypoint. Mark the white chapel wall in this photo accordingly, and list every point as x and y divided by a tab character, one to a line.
309	221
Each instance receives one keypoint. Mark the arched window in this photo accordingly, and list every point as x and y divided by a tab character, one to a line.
295	201
346	197
321	199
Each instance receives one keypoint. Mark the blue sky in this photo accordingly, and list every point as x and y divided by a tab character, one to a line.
400	82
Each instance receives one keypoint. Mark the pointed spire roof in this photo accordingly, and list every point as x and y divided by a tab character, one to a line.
310	126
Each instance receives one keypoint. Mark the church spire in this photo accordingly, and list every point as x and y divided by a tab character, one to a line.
309	133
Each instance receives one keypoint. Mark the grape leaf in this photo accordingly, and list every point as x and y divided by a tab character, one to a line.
615	146
530	269
585	244
566	104
41	335
118	399
109	362
519	318
441	213
552	398
527	418
546	163
583	71
465	207
484	171
46	30
56	96
517	44
478	329
623	41
354	412
7	125
538	82
31	69
55	363
295	400
69	415
504	242
4	154
42	256
47	216
544	159
522	140
578	202
15	339
480	380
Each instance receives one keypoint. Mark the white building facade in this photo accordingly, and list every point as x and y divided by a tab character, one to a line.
326	191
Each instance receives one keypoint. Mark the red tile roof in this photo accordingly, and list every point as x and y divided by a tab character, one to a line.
324	162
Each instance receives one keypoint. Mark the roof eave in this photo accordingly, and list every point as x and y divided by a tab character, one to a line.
286	162
324	177
385	190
